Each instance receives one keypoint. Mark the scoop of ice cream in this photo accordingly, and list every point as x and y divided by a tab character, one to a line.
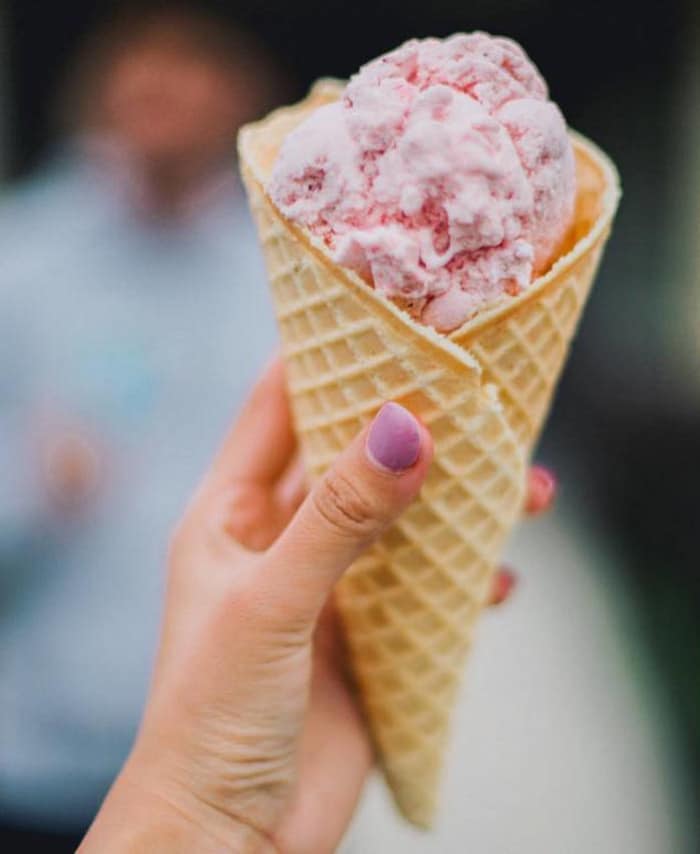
444	176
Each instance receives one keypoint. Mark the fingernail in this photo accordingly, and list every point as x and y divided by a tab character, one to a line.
503	585
543	485
394	439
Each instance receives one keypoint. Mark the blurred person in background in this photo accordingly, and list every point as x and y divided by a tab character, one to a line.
130	274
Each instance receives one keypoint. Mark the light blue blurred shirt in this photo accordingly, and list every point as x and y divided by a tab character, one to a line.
149	337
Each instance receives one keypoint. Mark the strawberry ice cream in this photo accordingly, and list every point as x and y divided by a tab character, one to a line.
444	176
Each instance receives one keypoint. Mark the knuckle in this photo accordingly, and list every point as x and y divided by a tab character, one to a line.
344	508
244	511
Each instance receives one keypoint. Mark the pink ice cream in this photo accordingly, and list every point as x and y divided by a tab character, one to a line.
444	176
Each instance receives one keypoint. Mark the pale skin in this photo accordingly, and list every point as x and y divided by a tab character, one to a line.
252	740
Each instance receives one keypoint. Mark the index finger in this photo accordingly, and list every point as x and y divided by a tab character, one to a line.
262	442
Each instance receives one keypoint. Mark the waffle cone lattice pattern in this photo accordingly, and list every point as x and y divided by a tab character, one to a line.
522	350
410	604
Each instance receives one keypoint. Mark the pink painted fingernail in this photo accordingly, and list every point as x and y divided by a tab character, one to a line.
503	584
394	439
543	485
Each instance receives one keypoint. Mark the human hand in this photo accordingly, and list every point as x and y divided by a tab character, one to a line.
252	740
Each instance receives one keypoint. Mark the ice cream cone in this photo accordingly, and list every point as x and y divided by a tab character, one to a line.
409	606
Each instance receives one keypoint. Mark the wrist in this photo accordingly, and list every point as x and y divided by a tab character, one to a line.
143	814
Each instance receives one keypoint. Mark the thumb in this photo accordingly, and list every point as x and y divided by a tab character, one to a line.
368	487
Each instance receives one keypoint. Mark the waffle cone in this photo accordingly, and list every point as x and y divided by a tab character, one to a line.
410	604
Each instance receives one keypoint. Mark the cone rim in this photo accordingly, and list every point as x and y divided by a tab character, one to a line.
327	90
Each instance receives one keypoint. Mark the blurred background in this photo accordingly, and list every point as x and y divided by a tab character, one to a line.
129	277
